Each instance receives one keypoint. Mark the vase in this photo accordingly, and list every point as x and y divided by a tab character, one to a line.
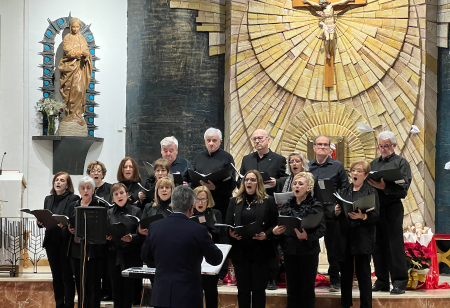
416	278
51	125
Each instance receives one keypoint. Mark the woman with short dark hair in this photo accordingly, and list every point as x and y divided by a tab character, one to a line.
356	237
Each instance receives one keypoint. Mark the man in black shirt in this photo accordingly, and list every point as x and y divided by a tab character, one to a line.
389	254
169	151
323	167
214	159
264	160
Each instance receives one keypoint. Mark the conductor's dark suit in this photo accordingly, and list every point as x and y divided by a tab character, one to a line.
178	246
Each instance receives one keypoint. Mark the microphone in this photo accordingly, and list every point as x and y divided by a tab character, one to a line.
2	163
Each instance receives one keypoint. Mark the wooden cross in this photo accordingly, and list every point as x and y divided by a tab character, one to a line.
329	63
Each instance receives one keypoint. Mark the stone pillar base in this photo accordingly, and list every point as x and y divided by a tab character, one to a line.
72	129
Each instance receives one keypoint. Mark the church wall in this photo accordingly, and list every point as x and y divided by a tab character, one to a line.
175	83
385	69
22	27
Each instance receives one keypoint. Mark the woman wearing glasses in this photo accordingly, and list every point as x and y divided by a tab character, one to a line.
161	167
97	171
356	237
301	251
251	254
204	205
297	162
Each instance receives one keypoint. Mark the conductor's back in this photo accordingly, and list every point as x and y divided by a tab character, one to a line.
178	245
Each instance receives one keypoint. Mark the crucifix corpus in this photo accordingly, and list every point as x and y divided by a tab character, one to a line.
328	24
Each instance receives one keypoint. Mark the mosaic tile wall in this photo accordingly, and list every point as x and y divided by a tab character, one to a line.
384	75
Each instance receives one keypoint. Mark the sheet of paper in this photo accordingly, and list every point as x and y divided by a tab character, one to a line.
214	270
283	197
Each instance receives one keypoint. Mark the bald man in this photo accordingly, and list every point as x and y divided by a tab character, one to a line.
264	160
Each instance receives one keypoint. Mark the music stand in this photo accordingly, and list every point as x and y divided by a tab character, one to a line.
90	223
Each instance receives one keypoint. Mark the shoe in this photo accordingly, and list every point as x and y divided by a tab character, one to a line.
272	285
106	298
334	287
376	288
397	290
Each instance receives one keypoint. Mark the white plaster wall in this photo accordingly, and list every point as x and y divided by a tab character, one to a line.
19	68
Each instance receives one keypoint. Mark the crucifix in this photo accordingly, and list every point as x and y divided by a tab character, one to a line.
329	26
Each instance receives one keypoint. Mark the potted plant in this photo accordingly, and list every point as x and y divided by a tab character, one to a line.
418	260
51	108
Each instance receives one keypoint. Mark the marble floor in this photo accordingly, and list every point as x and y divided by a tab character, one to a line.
18	292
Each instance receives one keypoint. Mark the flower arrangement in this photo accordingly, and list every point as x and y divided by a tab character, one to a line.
417	256
51	108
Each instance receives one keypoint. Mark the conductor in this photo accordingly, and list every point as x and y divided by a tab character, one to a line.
178	245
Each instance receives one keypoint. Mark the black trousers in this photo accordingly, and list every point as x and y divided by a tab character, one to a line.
92	277
361	265
123	289
274	267
209	285
333	262
106	277
389	252
62	275
251	278
301	274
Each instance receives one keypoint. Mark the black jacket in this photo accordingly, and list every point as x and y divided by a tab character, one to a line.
163	208
267	216
218	215
92	250
291	245
178	246
104	192
116	215
356	236
133	193
274	164
55	236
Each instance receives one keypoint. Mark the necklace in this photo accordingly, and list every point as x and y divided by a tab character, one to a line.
249	204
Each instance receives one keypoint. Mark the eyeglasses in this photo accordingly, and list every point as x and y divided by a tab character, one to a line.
253	180
295	161
96	171
201	200
356	171
385	147
160	171
258	139
322	144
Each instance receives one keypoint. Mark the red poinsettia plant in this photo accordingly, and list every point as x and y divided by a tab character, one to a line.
417	256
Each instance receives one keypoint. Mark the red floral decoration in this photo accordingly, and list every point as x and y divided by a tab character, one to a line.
417	256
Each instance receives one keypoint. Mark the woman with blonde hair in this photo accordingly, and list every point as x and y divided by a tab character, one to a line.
301	251
251	255
203	205
297	162
163	193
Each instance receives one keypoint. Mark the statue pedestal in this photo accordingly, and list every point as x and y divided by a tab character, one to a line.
72	129
69	153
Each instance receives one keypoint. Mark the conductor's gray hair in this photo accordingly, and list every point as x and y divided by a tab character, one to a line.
183	198
387	135
169	141
213	131
86	180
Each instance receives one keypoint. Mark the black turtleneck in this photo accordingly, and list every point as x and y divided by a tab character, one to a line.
56	209
248	213
162	208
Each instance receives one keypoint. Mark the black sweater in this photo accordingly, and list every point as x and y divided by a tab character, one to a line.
357	236
291	244
206	163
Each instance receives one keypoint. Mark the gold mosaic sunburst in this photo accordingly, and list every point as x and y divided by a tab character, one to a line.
288	45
